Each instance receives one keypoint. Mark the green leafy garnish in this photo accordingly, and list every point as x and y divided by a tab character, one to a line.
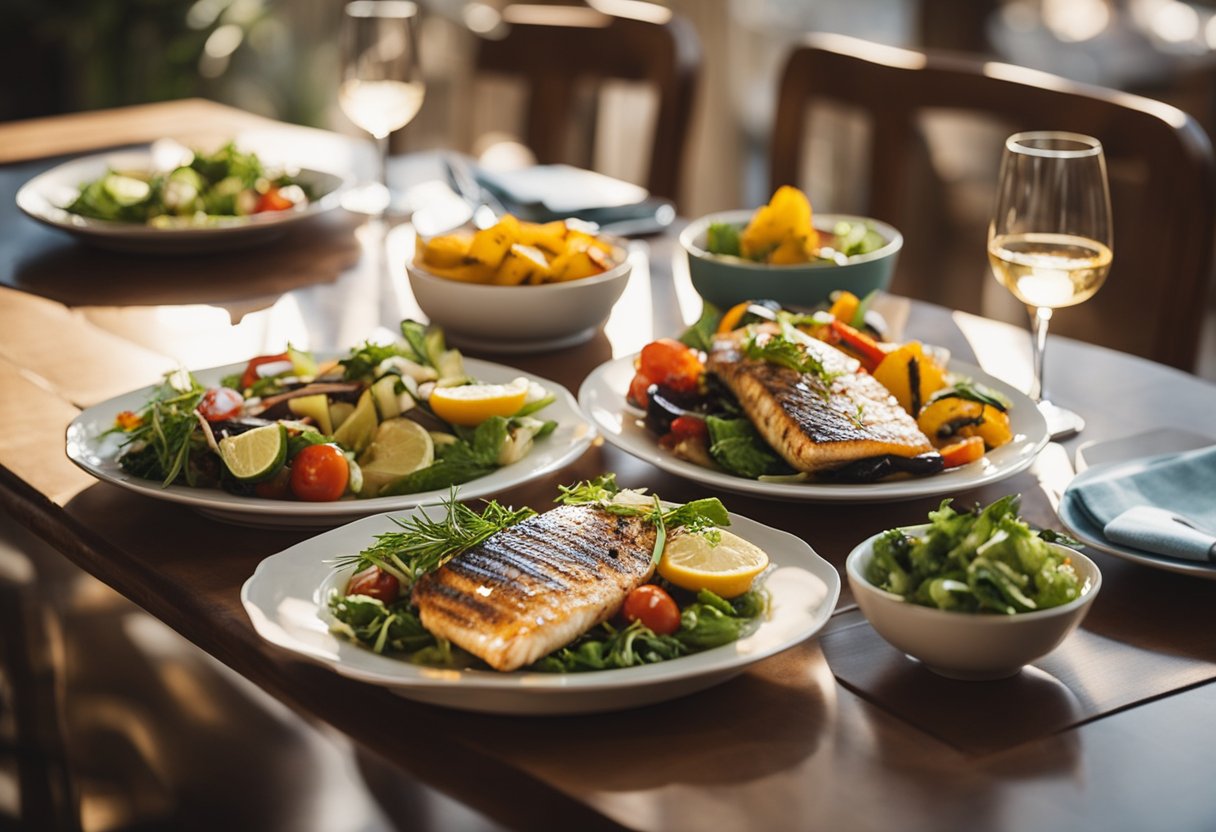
738	448
425	543
160	447
789	349
363	361
700	336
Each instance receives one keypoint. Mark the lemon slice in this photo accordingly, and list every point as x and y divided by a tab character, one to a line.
401	446
692	561
472	404
255	454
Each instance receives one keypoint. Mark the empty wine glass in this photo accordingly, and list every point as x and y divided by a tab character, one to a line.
1050	241
382	87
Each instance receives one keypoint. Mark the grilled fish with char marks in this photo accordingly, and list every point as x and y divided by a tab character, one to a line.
538	585
814	423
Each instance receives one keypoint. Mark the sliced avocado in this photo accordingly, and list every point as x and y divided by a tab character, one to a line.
315	407
356	432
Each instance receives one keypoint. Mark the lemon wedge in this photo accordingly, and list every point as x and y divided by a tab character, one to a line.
727	567
472	404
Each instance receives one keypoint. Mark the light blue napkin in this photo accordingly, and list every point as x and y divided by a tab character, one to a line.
1177	485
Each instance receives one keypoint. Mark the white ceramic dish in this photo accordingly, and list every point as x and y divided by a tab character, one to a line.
517	319
1118	452
95	453
602	397
286	600
969	646
45	197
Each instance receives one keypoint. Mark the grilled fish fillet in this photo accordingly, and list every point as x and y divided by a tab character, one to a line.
856	419
538	585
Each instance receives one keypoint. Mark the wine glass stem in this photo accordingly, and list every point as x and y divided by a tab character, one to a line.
382	150
1040	317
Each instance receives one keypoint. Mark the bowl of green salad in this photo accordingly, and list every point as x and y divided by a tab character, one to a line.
973	595
782	251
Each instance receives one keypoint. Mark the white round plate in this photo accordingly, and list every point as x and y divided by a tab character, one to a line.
95	452
46	196
602	397
286	600
1078	524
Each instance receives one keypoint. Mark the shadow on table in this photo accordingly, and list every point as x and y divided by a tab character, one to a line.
765	721
75	274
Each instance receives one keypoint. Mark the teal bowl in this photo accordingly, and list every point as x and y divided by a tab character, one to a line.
725	281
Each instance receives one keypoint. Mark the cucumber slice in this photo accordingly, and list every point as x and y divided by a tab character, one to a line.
126	190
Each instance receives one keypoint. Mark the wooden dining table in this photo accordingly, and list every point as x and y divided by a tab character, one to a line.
835	733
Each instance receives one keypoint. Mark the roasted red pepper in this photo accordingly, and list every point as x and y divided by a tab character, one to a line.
865	347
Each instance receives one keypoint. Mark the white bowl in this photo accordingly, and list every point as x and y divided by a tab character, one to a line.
513	319
971	646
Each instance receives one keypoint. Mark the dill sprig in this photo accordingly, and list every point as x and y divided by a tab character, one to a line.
425	543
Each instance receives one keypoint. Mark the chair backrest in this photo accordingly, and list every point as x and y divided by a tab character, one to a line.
1160	163
555	48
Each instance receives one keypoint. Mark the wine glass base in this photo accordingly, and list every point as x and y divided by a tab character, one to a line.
1061	423
375	200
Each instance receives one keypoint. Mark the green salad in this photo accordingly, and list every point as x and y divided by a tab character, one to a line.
984	560
208	188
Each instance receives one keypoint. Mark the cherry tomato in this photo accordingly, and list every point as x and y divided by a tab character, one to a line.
220	403
652	606
277	487
319	473
272	200
670	363
374	582
638	391
251	369
689	427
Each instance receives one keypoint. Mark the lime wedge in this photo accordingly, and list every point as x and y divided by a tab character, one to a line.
255	454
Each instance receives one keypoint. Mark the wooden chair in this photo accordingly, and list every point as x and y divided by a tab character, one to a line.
1160	164
556	48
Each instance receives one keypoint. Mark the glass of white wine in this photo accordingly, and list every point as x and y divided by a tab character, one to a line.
1050	241
382	87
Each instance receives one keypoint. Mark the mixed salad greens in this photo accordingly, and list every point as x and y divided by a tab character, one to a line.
984	560
375	608
387	419
208	188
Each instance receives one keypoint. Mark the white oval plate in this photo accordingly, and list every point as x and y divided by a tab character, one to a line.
602	397
96	453
286	601
45	197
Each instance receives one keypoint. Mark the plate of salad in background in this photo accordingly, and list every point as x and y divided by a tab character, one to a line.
315	600
293	439
170	199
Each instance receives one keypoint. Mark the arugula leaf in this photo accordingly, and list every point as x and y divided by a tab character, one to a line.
738	448
395	627
700	336
363	361
160	447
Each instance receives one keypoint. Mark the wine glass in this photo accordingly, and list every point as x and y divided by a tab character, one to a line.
1050	241
382	87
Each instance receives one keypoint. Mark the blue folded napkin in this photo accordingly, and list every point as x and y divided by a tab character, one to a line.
1179	491
552	192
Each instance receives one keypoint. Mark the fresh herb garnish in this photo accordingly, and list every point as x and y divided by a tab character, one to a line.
425	543
159	448
789	349
700	336
602	492
363	361
971	391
